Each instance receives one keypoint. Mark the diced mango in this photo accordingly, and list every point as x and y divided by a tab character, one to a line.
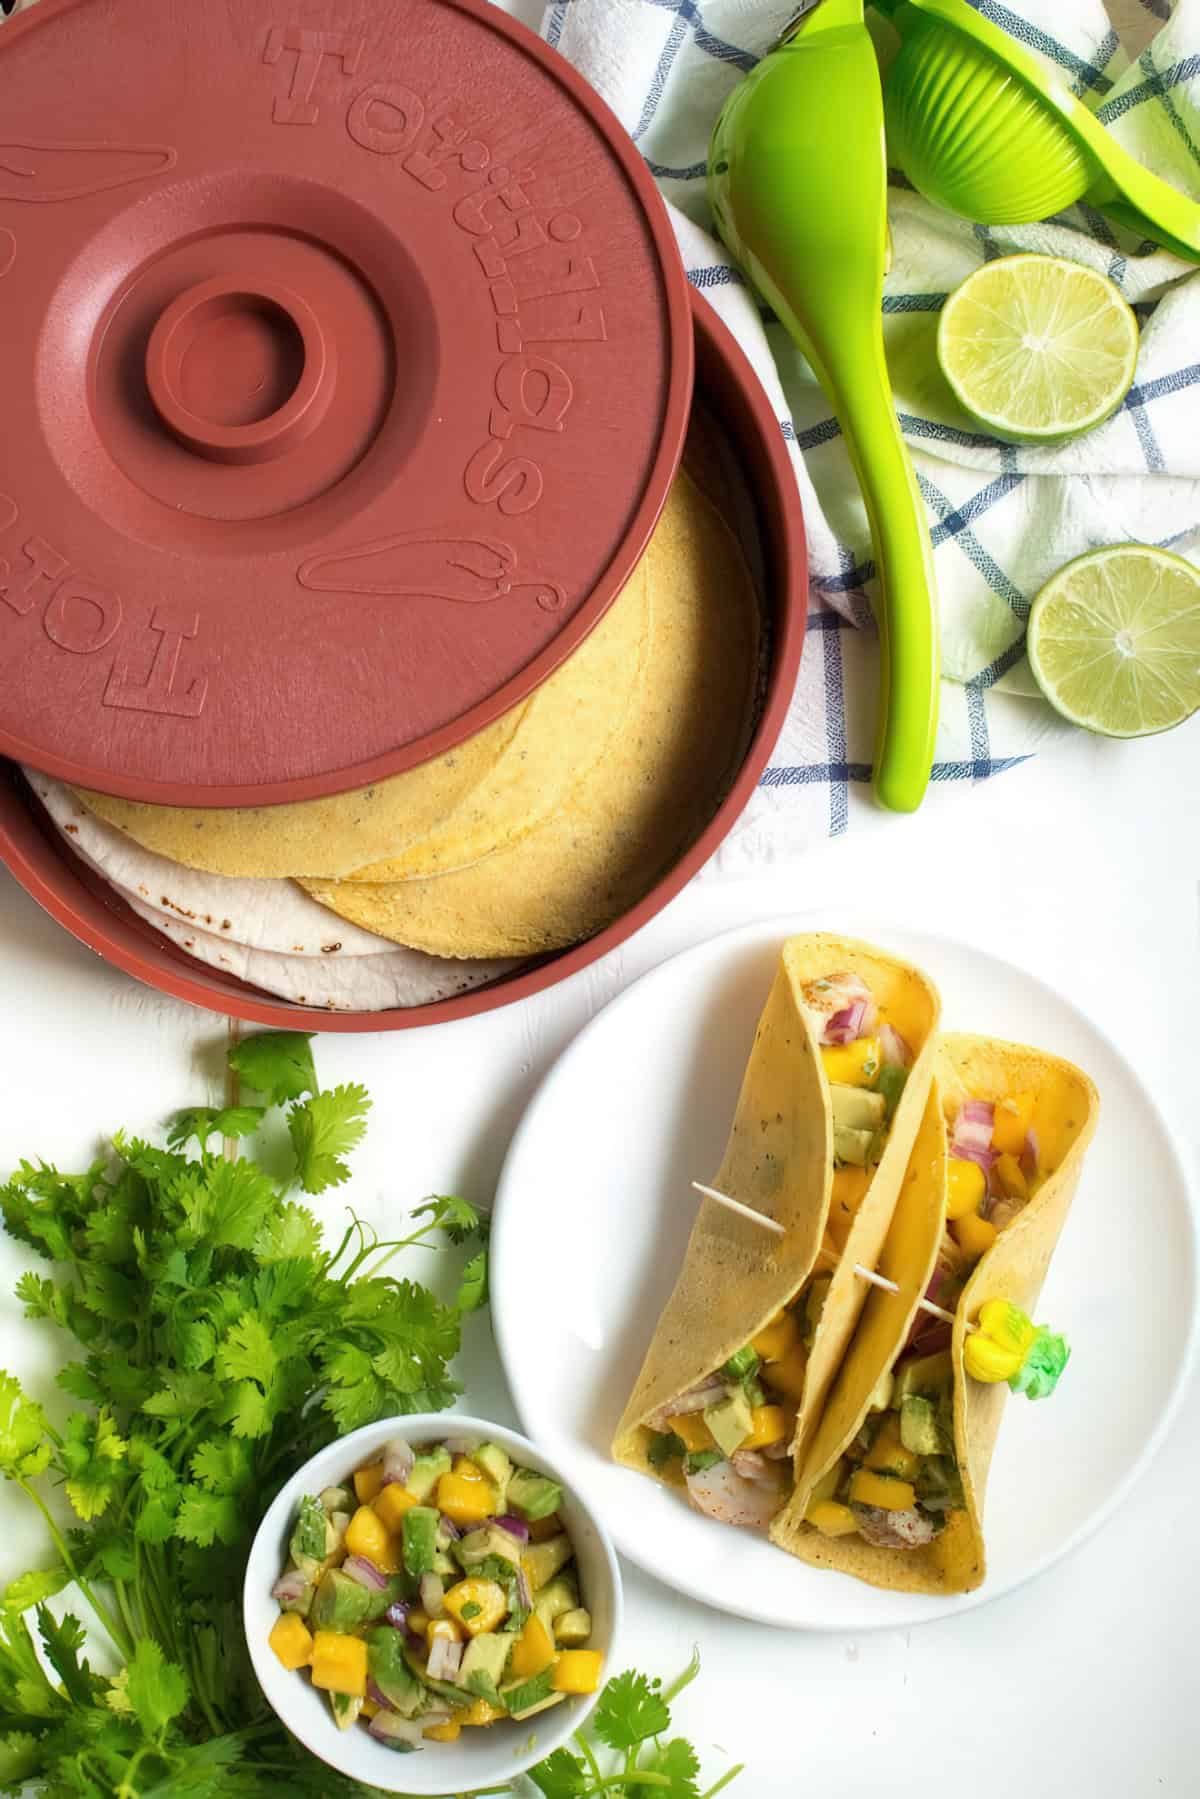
887	1454
464	1500
542	1529
466	1469
487	1595
775	1339
367	1534
882	1491
369	1710
691	1430
480	1713
966	1185
770	1424
449	1732
853	1064
391	1504
368	1482
578	1671
973	1235
831	1519
291	1640
1008	1176
787	1376
1012	1119
339	1663
532	1652
446	1630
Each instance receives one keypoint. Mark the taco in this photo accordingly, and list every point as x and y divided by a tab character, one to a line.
751	1337
891	1486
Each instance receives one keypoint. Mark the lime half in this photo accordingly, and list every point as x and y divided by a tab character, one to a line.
1114	640
1038	349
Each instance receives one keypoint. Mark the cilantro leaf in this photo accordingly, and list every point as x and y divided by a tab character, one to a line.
324	1130
631	1709
247	1352
457	1217
277	1063
92	1449
63	1640
561	1776
222	1466
35	1586
204	1518
290	1234
24	1450
473	1285
678	1760
20	1759
156	1688
203	1122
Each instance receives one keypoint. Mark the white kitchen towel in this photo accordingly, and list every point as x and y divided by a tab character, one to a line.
1003	519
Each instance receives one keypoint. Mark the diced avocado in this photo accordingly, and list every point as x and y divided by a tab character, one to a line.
574	1628
857	1108
444	1562
939	1484
445	1689
730	1422
388	1668
377	1603
742	1365
308	1535
496	1465
340	1602
543	1705
852	1146
338	1499
484	1661
346	1707
419	1528
926	1374
891	1084
520	1697
919	1430
558	1597
533	1496
427	1470
487	1544
542	1561
881	1398
698	1461
300	1602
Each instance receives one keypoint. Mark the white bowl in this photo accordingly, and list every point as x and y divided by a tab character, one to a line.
479	1757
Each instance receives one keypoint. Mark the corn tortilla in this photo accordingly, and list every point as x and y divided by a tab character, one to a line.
1065	1117
660	781
779	1161
443	814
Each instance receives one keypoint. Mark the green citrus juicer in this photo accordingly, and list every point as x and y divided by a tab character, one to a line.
798	184
980	127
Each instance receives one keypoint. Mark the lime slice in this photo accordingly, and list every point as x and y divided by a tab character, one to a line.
1038	349
1114	640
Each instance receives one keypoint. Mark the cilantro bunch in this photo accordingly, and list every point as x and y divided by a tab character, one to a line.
220	1344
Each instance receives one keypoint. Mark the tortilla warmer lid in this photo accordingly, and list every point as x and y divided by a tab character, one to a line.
346	359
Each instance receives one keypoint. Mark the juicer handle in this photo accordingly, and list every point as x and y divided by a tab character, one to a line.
910	658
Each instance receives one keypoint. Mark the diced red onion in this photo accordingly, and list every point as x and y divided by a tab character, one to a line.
516	1527
1029	1155
459	1445
290	1586
390	1727
397	1615
919	1328
695	1400
934	1336
449	1529
445	1658
433	1591
893	1048
984	1158
975	1123
365	1573
852	1022
524	1592
376	1697
398	1461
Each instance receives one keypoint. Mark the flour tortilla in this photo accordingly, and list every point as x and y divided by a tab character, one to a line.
445	814
398	978
644	802
779	1161
1065	1116
268	915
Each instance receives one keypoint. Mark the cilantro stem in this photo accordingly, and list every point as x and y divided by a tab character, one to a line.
725	1780
633	1779
586	1750
115	1628
682	1681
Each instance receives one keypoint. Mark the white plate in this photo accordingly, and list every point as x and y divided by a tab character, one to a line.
594	1211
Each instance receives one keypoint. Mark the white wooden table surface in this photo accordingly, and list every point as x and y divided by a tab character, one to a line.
1084	868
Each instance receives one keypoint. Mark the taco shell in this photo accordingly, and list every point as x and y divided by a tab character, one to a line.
1065	1117
779	1161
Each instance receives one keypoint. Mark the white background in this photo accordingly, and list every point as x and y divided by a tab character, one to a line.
1082	867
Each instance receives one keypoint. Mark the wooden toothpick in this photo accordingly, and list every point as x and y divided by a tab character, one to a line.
864	1274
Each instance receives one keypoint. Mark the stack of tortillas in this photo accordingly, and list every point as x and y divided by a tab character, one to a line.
528	837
